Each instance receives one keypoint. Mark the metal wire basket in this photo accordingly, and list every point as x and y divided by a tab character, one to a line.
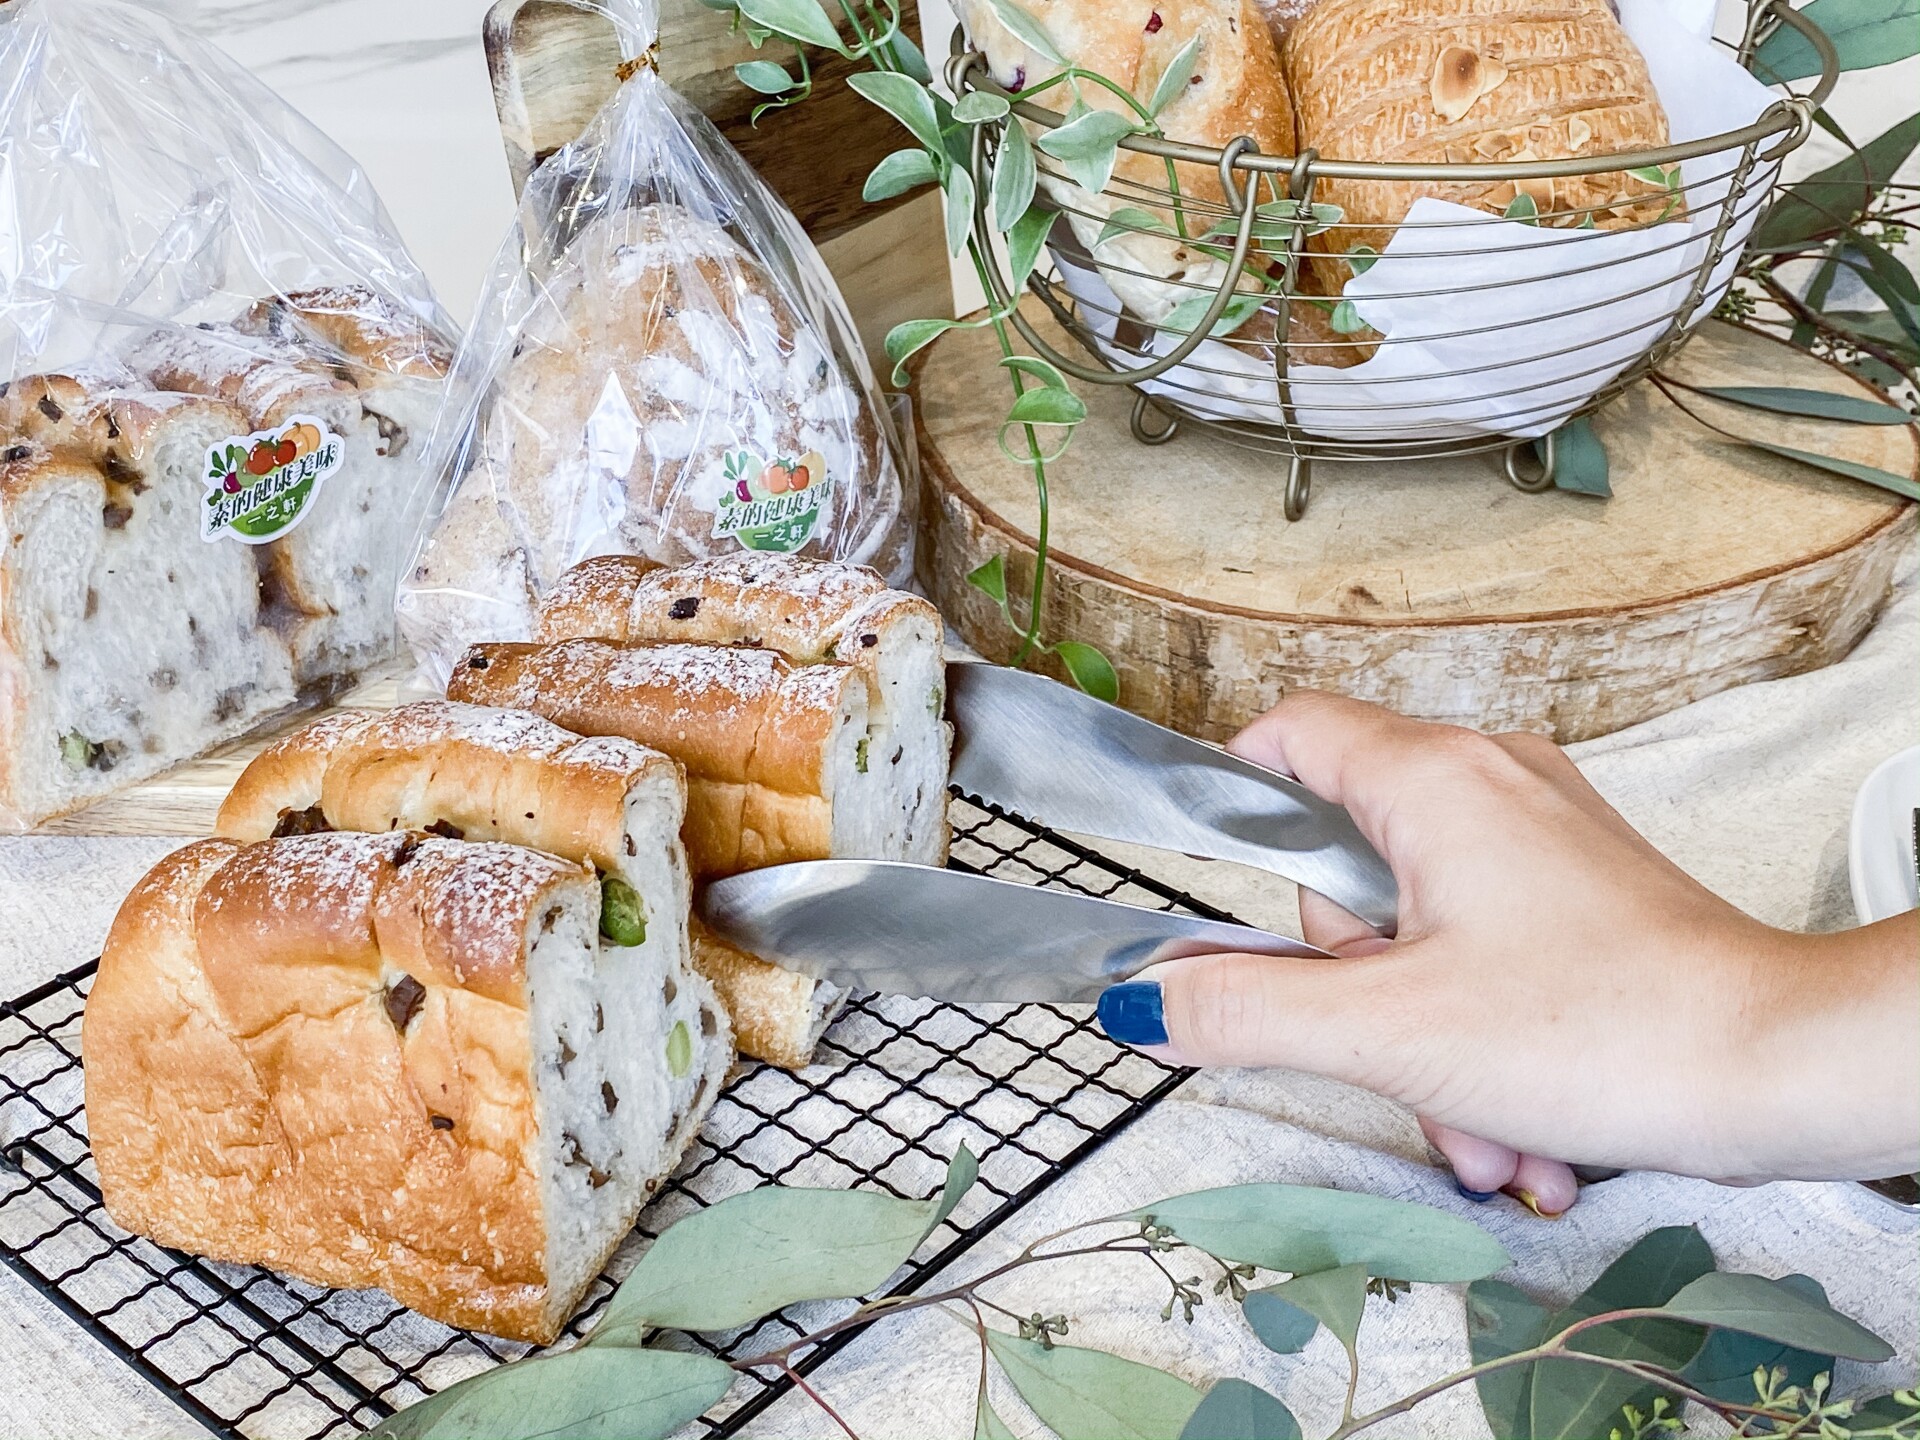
1200	371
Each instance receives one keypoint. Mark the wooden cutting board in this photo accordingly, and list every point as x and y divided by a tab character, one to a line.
1433	586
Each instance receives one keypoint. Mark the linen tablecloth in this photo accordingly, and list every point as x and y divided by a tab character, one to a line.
1749	790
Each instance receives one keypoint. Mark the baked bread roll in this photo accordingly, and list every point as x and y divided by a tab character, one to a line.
666	397
778	1014
381	1060
466	772
779	757
809	611
1236	89
1469	81
126	644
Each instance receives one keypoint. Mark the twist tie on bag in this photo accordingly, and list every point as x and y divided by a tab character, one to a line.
647	59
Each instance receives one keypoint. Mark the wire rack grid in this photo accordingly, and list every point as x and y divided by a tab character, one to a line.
896	1087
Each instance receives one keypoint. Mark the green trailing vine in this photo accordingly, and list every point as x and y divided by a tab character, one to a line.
1662	1326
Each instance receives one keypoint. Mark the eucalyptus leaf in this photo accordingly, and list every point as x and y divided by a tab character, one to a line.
1522	209
959	188
1174	79
987	1424
1131	220
1187	315
1579	459
1336	1298
801	20
1235	1410
991	579
910	337
1301	1228
1029	31
1887	265
904	98
1501	1321
1882	1410
584	1394
1725	1365
1756	1305
1871	474
753	1253
1866	33
977	107
1024	243
764	76
1829	200
1086	145
1091	1395
1090	670
1013	176
1572	1401
1820	404
1345	319
1283	1328
898	173
1361	257
1047	406
1039	369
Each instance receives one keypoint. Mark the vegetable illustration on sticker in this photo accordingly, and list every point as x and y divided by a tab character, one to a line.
773	504
259	486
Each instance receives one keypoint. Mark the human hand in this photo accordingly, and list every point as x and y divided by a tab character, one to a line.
1557	987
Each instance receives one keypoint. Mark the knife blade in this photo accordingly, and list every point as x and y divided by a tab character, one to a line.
950	935
1052	755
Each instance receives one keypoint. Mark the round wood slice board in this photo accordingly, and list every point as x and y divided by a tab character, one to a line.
1434	587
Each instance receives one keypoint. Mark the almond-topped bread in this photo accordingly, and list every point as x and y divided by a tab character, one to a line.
811	612
382	1061
126	644
1467	82
472	773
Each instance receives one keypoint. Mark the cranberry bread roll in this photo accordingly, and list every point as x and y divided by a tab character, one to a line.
379	1060
126	644
1469	81
467	772
809	611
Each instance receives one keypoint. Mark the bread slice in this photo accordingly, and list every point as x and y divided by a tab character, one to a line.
126	644
778	1014
466	772
380	1060
812	612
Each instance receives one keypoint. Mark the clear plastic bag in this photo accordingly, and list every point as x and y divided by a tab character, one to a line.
659	364
221	368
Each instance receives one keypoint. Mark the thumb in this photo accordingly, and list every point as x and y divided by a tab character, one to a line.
1329	1016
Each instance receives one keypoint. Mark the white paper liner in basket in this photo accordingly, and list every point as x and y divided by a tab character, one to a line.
1502	340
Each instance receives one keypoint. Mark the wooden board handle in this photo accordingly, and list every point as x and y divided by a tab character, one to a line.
554	65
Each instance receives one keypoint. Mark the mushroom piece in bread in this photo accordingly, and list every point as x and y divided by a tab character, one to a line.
126	645
379	1060
810	611
468	772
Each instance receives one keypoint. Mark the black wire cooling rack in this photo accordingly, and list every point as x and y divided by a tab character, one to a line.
895	1088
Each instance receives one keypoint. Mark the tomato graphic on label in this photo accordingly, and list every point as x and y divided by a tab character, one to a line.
811	470
261	460
774	479
285	453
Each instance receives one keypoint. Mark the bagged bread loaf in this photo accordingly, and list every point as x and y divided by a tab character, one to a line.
659	365
384	1060
1469	82
464	772
220	365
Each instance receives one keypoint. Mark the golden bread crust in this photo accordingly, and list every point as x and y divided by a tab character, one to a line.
255	1094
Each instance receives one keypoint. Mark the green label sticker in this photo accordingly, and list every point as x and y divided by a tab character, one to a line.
260	485
773	505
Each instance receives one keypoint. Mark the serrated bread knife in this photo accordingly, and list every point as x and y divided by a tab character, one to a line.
952	935
1050	754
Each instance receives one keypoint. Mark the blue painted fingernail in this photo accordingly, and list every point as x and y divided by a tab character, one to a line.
1479	1197
1131	1013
